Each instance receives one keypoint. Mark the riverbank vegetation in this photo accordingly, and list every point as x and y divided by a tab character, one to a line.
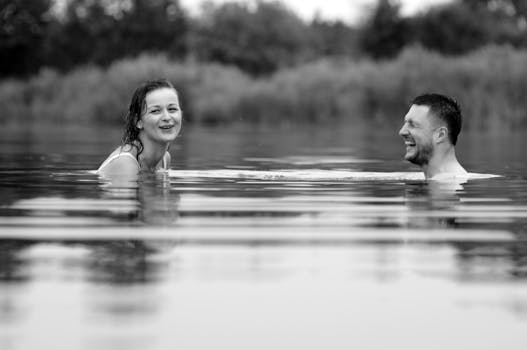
257	61
489	83
259	37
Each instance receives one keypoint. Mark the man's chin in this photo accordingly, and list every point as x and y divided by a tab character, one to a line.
419	156
412	158
409	157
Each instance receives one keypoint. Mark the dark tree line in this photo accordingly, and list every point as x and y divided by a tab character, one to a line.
259	38
454	28
34	33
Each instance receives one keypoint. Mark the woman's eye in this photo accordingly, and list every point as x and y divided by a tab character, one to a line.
155	110
173	110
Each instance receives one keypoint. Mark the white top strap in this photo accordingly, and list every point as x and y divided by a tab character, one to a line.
115	156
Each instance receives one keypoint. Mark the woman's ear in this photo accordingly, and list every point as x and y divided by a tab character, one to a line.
139	124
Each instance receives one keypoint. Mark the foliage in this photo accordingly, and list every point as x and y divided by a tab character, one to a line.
489	85
23	25
507	19
510	8
452	29
94	32
333	39
93	94
385	33
258	39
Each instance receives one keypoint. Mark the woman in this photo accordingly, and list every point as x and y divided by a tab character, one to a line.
152	123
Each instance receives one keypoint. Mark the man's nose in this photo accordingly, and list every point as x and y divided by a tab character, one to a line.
403	131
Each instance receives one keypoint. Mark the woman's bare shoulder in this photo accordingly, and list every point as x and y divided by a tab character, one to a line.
125	149
121	160
120	171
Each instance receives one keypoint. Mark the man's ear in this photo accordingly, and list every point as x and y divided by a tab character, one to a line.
441	134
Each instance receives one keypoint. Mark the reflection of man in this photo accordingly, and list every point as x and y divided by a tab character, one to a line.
432	205
430	132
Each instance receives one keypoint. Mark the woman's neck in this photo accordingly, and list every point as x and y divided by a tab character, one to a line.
151	155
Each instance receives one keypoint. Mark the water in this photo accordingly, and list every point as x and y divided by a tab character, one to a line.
204	258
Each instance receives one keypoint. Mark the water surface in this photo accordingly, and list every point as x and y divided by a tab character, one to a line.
193	262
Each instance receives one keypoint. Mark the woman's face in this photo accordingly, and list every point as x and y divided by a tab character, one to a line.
161	120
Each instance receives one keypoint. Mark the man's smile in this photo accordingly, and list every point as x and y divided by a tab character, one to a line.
409	142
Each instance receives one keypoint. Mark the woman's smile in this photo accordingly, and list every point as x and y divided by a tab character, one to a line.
167	127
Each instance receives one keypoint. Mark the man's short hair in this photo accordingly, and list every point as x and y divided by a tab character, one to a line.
446	109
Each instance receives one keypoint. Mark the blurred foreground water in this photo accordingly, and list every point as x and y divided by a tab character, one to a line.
194	261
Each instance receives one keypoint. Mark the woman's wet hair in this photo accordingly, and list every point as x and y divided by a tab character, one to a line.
137	108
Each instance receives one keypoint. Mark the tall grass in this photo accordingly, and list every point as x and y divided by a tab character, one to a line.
490	85
93	94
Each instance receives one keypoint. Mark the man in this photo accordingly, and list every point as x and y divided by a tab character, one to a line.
430	132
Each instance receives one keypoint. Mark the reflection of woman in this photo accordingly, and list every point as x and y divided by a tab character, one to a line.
152	122
158	200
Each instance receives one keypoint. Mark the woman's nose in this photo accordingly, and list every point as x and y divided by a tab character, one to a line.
166	114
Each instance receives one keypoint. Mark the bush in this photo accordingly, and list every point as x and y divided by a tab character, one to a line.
489	84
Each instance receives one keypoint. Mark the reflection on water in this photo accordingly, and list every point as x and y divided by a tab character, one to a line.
302	260
150	198
437	197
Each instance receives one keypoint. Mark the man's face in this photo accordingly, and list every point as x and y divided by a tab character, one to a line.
418	134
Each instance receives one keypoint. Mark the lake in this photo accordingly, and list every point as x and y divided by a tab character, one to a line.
217	254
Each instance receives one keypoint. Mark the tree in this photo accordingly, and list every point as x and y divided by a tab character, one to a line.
507	19
258	39
86	34
99	32
154	25
452	28
23	26
333	38
385	32
511	8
